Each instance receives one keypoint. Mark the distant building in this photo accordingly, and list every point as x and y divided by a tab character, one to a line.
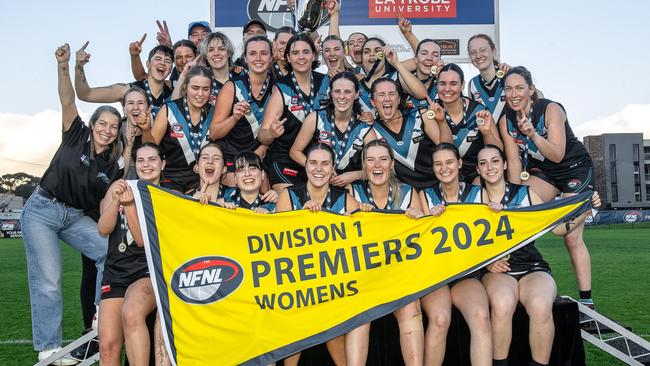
621	169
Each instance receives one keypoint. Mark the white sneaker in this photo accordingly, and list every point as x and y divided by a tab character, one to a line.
63	361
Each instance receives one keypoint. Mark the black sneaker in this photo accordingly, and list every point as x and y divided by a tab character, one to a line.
87	349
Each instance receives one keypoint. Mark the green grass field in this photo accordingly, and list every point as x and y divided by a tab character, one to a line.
620	257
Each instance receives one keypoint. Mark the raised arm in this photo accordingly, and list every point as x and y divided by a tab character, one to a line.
225	115
135	48
488	128
66	92
409	82
553	147
109	208
334	11
512	152
406	28
107	94
155	133
128	202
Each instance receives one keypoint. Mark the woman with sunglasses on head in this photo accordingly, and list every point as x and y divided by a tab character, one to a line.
339	126
380	190
241	104
88	160
249	176
318	195
543	153
181	129
293	98
127	295
470	123
466	293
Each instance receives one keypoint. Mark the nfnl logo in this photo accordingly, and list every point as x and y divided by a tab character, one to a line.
632	216
206	279
275	14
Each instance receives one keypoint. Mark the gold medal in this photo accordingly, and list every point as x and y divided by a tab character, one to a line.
122	247
380	55
507	257
434	70
480	121
431	114
500	74
524	175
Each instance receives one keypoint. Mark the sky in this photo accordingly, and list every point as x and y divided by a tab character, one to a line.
591	56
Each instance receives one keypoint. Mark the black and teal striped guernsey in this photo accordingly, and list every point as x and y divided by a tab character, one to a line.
468	139
335	201
494	99
296	106
523	258
233	195
362	193
181	143
126	262
243	135
347	149
467	193
574	153
412	148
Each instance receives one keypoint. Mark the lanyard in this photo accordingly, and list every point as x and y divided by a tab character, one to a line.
194	138
301	94
389	201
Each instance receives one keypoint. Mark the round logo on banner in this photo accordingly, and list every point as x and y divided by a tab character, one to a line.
275	14
632	216
205	280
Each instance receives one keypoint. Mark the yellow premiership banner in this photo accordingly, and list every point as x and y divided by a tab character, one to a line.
235	287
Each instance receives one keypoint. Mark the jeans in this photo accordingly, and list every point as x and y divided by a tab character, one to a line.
44	222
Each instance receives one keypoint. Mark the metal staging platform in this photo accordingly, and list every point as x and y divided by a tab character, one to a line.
87	338
612	337
597	329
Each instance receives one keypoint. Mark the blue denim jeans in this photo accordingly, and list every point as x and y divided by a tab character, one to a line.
44	222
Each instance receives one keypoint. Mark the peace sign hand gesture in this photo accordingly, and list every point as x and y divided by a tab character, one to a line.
163	36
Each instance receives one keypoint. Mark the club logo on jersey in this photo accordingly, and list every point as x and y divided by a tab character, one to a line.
177	127
477	96
632	216
324	136
205	280
574	183
275	14
294	99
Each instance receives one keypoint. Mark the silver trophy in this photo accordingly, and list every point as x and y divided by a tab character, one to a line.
309	15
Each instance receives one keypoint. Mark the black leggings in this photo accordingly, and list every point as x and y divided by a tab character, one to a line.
87	290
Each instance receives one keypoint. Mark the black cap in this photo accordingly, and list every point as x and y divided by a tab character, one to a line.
254	22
